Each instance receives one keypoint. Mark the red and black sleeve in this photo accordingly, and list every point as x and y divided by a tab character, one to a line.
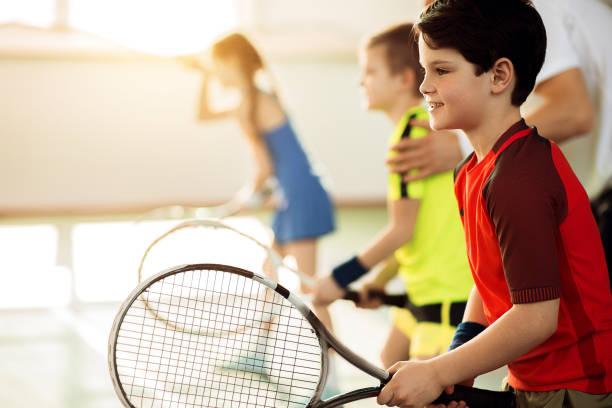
526	203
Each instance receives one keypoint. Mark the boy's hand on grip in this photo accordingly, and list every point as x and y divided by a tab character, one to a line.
326	291
414	384
366	300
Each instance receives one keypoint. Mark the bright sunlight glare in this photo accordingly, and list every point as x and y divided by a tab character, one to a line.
160	27
106	256
30	276
33	12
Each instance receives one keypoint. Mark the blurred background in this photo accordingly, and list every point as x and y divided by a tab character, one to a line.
98	126
96	117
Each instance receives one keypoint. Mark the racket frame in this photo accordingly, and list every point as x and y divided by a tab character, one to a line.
245	198
277	260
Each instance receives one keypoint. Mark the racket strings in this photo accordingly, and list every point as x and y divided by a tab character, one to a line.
258	340
204	361
170	310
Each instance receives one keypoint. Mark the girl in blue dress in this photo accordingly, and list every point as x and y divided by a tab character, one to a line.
305	211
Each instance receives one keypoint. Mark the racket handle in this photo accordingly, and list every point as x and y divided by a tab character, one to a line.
389	300
478	398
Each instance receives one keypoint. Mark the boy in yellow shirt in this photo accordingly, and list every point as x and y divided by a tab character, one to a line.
423	237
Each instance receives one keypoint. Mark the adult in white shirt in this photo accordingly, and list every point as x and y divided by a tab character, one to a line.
575	86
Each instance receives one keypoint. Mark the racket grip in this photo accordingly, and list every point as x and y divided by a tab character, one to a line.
478	398
389	300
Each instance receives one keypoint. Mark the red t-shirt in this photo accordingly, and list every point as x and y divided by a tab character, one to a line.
531	237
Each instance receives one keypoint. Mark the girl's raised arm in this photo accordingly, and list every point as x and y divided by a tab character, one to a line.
205	112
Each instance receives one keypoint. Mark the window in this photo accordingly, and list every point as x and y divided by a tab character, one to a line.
28	268
164	27
107	255
40	13
161	27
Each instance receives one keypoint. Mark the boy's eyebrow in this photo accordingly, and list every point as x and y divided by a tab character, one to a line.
439	62
436	62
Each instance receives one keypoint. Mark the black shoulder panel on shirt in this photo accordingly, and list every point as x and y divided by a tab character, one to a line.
461	164
405	134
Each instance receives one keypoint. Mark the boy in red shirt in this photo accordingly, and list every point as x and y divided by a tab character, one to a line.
541	303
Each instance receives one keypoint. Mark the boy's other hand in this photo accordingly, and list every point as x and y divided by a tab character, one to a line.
370	302
326	290
435	153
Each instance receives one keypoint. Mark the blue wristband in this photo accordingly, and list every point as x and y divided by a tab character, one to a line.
348	272
466	331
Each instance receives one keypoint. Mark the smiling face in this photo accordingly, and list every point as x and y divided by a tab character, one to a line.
380	86
455	95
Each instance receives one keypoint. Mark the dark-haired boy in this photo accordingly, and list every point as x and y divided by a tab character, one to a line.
541	303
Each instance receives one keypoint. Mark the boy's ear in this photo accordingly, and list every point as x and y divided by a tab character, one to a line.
502	75
408	78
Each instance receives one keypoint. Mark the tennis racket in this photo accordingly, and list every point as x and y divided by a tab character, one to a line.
281	360
230	235
244	199
208	241
235	241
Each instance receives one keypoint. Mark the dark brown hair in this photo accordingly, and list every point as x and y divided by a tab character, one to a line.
401	50
484	31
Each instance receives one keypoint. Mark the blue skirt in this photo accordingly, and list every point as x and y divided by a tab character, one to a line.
305	212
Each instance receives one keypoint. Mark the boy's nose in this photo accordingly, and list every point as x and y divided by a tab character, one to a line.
425	88
360	80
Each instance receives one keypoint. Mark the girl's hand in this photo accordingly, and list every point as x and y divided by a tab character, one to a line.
190	61
194	61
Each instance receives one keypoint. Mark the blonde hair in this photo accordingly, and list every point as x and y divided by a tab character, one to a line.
236	45
402	51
